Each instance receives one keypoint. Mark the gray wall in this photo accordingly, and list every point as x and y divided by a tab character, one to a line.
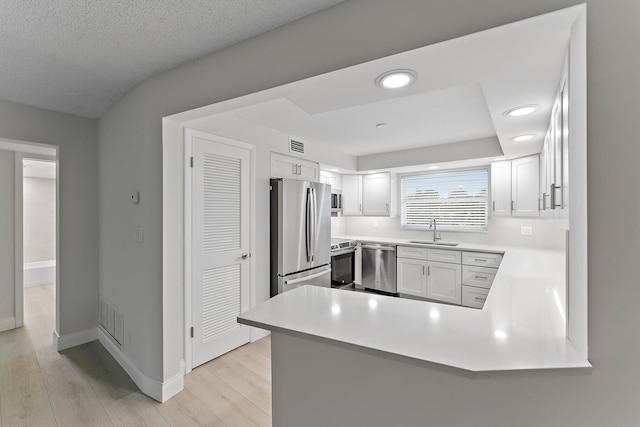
76	138
361	30
7	257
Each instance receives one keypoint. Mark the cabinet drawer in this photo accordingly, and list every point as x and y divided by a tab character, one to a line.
412	252
444	255
478	276
474	297
481	259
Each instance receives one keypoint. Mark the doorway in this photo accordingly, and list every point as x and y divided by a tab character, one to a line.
39	252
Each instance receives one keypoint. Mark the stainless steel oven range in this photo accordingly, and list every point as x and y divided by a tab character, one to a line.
343	258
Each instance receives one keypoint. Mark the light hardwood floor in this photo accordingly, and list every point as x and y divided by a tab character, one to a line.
84	386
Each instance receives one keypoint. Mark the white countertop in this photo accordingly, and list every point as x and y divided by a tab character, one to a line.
522	324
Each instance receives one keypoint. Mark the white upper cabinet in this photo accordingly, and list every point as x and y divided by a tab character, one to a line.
515	187
525	186
351	194
501	188
294	168
366	194
376	194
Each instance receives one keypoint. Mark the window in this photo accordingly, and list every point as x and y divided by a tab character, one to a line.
457	200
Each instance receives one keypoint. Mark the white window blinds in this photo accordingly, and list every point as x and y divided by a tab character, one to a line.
458	200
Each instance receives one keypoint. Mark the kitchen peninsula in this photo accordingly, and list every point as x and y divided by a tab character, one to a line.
375	355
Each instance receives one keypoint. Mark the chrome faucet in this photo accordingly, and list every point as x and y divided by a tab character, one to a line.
435	230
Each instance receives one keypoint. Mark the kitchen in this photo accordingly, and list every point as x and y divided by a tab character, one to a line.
245	119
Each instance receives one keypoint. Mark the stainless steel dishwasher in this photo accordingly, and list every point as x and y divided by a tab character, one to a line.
379	267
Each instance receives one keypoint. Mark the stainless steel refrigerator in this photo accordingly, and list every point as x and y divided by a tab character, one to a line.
300	234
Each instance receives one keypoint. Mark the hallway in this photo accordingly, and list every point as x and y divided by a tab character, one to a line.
84	386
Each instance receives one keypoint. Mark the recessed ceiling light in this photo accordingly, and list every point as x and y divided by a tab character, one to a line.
396	79
434	167
521	138
523	110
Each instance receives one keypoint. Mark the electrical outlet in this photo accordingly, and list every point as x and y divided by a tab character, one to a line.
526	230
139	235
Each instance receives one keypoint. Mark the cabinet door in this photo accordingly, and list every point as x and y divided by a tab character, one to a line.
524	186
444	282
501	188
376	194
294	168
412	277
308	171
283	166
352	195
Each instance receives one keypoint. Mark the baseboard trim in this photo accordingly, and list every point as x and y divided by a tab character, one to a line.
7	324
160	391
64	342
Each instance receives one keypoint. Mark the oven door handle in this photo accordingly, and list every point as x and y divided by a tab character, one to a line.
343	251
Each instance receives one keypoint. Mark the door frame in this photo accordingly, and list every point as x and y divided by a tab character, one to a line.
188	151
28	150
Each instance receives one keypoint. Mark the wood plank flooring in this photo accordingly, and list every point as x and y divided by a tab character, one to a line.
84	386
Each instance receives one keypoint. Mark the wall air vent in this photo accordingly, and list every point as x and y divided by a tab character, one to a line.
112	322
296	146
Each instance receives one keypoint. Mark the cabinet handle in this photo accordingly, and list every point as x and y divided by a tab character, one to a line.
480	299
512	205
429	271
544	201
480	259
494	206
360	208
480	277
299	169
387	205
423	270
553	204
294	169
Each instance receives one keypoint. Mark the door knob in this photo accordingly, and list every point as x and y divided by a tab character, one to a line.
245	256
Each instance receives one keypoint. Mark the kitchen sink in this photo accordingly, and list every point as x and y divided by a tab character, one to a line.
425	242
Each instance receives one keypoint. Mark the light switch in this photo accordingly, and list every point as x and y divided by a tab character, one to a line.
135	197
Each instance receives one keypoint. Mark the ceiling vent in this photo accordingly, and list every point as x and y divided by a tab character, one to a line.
296	146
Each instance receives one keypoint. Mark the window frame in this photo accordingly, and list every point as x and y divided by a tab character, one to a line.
458	229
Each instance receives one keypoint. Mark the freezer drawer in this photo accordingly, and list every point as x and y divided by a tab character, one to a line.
320	276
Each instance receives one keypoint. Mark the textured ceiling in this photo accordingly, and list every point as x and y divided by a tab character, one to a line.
81	57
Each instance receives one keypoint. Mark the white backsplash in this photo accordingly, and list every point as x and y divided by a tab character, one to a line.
502	231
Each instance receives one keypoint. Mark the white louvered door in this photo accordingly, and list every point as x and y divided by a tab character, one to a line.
220	247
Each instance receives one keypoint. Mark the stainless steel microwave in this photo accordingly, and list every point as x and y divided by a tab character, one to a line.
336	201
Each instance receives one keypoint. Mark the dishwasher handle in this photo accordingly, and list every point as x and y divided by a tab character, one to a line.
380	247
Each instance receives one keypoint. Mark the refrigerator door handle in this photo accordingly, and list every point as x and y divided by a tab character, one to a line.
308	224
315	224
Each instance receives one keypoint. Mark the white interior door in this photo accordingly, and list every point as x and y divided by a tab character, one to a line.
220	233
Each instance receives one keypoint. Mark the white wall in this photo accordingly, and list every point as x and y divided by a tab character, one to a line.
76	138
39	219
7	257
361	30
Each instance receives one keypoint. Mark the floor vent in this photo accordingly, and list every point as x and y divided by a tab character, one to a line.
112	321
296	146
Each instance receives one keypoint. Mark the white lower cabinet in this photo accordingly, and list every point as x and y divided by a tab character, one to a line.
444	282
412	277
474	297
451	276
